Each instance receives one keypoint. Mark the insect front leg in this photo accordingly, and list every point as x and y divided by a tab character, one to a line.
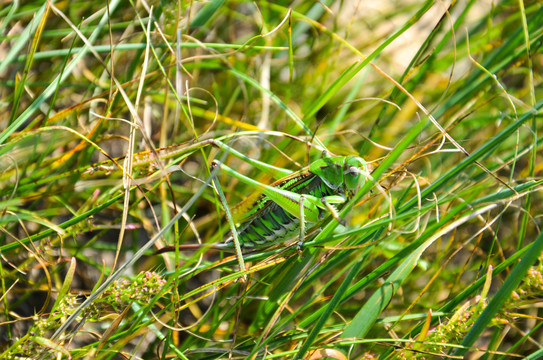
325	203
310	205
329	202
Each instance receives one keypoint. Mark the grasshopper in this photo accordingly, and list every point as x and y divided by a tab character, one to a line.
299	200
285	208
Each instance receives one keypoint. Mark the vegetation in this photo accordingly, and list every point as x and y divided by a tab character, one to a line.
113	112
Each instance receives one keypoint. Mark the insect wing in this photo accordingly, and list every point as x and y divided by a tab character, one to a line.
292	182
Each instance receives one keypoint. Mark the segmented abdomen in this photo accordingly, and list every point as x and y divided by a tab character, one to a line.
273	224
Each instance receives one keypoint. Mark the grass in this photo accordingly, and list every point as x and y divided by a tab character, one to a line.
441	254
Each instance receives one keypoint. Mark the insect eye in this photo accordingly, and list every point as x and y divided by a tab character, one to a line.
353	177
354	173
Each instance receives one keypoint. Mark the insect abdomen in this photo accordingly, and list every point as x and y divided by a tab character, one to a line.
273	224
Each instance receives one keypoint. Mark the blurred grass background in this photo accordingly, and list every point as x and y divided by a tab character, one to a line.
111	116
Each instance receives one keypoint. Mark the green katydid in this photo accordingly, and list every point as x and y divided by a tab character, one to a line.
299	200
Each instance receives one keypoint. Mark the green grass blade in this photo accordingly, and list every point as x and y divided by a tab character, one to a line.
66	284
477	154
23	39
367	316
206	13
503	293
329	310
280	103
50	90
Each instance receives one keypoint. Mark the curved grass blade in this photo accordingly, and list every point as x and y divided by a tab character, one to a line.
51	89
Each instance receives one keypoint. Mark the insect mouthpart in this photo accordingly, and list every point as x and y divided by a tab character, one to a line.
354	174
